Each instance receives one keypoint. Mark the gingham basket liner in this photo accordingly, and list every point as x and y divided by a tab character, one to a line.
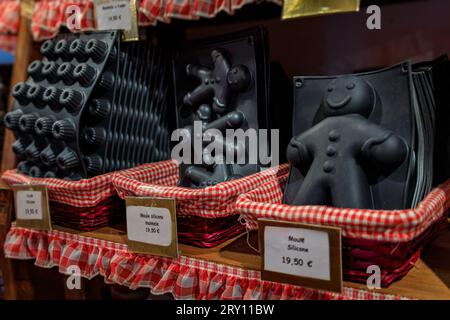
184	278
9	16
50	15
9	24
160	180
82	193
381	225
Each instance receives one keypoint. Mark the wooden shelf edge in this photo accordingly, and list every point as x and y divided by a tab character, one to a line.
429	279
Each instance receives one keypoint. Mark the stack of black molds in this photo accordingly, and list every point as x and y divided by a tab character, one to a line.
431	83
375	140
92	105
223	83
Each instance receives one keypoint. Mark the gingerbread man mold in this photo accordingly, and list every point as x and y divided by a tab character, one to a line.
334	156
212	171
217	83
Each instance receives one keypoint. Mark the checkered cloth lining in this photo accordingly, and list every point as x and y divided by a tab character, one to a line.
160	179
82	193
381	225
9	16
185	278
50	15
152	11
9	24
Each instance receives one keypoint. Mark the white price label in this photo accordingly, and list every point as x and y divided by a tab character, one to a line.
298	252
113	14
29	205
149	225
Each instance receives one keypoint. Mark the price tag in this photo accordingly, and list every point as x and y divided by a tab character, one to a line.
113	14
133	33
304	8
32	210
301	254
26	8
152	226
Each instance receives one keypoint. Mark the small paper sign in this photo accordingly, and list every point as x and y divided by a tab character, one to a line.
26	8
113	15
132	34
31	204
301	254
152	226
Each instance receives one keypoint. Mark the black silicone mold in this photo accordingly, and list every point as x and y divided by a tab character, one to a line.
222	82
90	106
356	143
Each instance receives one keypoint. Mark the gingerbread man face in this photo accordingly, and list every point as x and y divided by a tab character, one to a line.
347	95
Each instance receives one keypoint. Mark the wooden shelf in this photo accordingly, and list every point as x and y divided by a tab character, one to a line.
429	279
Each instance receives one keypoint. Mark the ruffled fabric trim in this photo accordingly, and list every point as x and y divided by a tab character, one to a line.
9	24
50	15
9	16
184	278
152	11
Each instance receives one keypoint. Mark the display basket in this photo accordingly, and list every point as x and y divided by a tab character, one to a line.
84	205
390	239
205	217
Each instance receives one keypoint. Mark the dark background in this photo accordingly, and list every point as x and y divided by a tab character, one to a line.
341	43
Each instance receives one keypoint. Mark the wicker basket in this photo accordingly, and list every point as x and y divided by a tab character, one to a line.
391	239
206	217
84	205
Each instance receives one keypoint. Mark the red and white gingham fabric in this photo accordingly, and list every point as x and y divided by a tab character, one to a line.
50	15
185	278
160	179
82	193
152	11
9	24
9	16
381	225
